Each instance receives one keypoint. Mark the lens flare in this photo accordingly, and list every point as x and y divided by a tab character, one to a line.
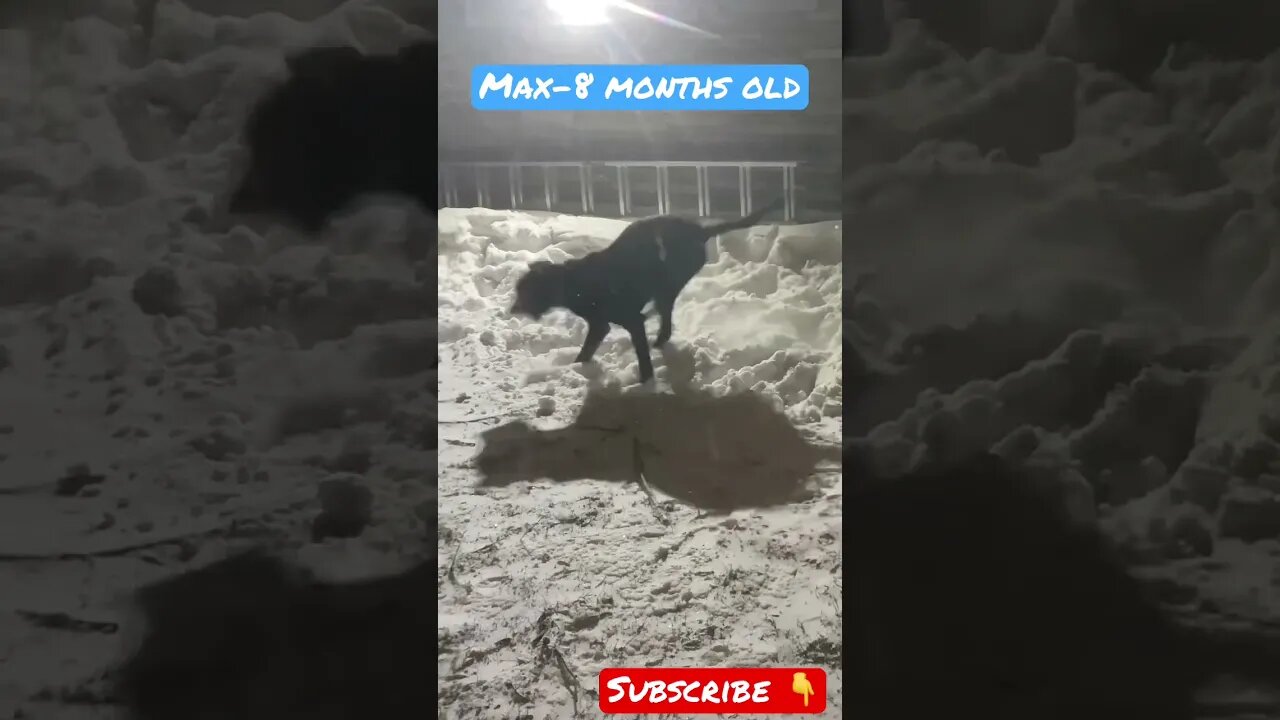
580	12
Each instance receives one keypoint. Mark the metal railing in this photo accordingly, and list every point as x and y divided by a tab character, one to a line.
452	174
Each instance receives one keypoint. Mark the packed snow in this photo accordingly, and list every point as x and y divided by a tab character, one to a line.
587	521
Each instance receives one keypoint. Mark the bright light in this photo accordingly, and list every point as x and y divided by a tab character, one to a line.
581	12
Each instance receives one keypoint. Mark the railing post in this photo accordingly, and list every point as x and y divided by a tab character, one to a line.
788	210
657	176
546	185
582	187
702	190
476	171
511	185
795	210
622	191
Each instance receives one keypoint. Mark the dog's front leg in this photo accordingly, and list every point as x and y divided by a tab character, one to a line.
596	330
665	305
641	342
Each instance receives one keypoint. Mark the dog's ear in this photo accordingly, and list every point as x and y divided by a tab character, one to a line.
538	266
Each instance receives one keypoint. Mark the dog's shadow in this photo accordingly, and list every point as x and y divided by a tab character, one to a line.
717	453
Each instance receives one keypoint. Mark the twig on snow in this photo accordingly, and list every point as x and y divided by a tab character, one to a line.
567	678
638	464
451	575
115	551
464	421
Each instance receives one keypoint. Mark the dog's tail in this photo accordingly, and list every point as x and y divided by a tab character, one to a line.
743	222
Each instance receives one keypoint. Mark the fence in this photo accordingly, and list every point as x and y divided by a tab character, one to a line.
452	174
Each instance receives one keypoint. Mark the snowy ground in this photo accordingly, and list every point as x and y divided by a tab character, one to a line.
552	553
174	388
1048	261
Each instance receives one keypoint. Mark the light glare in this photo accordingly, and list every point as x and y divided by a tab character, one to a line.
580	12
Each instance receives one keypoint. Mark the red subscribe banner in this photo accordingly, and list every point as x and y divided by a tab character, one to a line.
713	690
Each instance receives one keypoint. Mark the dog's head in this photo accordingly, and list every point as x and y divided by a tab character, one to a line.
539	290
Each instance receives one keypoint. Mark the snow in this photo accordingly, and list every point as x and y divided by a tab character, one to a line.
177	387
1077	272
692	523
764	316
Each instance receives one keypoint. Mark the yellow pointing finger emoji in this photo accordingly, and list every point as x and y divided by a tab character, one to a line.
800	685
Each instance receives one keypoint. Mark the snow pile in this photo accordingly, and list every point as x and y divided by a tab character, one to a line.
1078	269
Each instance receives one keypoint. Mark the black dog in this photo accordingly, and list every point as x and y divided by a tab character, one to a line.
251	638
652	260
972	593
343	125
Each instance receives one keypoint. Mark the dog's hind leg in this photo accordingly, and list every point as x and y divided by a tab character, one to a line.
635	327
596	330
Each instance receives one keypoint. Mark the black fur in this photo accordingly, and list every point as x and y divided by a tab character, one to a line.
972	594
343	125
251	638
652	260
